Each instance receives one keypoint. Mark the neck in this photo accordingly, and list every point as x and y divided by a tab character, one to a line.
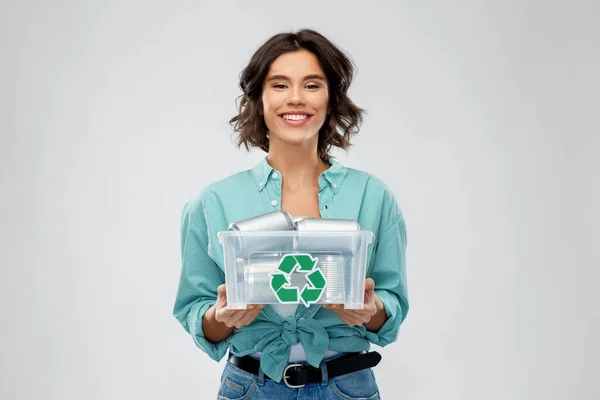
300	165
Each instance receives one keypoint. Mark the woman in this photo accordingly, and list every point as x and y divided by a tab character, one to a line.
295	108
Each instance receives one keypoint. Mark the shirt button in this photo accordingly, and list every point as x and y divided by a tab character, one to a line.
334	185
275	175
262	183
326	206
274	202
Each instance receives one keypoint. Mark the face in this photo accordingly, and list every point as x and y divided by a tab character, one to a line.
295	98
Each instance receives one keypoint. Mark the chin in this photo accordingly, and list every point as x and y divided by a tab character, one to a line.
296	137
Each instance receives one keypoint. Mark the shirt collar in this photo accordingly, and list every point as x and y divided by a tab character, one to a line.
334	176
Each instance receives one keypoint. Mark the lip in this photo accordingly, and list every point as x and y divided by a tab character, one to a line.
298	112
295	123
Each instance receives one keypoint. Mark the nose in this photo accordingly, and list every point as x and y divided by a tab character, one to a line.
296	96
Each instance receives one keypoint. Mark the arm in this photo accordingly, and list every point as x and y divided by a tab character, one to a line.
215	331
197	292
389	274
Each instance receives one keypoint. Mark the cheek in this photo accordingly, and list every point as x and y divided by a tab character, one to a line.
270	102
265	106
321	103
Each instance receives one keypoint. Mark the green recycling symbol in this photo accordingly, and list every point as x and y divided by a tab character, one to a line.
280	283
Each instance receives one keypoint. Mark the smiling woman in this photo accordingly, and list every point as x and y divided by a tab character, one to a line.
302	73
294	107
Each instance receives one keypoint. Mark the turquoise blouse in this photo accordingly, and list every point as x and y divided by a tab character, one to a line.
344	193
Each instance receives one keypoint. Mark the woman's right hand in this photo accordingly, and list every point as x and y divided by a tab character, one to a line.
234	318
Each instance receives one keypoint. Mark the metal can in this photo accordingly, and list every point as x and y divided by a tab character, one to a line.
320	224
296	219
271	221
305	241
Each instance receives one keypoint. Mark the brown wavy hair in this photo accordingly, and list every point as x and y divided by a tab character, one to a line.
345	117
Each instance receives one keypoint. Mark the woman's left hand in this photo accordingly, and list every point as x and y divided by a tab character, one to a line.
372	304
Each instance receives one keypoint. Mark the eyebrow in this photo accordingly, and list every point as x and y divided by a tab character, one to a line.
285	78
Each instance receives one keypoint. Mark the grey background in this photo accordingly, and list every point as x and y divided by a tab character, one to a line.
483	119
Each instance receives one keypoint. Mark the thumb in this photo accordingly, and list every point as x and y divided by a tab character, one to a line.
369	290
222	291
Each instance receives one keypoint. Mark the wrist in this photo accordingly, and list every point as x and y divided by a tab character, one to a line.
209	315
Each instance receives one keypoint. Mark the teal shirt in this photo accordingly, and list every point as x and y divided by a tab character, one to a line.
344	193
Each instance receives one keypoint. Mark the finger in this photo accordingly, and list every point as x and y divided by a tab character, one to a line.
339	312
350	321
229	316
369	308
222	291
369	290
369	296
363	317
350	317
247	318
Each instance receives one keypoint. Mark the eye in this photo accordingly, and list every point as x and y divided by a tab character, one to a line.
312	86
279	86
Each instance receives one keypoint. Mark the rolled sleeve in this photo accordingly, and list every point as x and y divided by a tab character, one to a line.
216	351
389	274
199	279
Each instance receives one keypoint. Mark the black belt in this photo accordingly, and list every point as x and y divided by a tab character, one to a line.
298	375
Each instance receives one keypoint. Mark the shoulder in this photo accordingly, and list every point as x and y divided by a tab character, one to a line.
373	185
213	194
377	192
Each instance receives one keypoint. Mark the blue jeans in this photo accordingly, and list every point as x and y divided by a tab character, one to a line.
237	384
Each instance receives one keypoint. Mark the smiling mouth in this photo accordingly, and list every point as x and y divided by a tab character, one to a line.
295	117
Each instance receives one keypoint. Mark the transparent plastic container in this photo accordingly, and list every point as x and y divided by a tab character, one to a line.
252	257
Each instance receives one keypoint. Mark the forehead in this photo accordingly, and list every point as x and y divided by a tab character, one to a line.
296	64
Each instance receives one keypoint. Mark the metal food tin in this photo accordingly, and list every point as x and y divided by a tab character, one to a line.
320	224
257	277
271	221
296	219
343	243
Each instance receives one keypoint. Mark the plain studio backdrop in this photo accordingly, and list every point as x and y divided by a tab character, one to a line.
482	118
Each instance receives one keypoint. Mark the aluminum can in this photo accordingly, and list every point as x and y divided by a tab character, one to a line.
320	224
258	278
296	219
343	243
271	221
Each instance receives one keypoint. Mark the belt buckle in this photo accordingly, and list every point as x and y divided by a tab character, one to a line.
286	376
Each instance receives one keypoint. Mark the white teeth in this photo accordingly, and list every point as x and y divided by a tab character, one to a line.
294	117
